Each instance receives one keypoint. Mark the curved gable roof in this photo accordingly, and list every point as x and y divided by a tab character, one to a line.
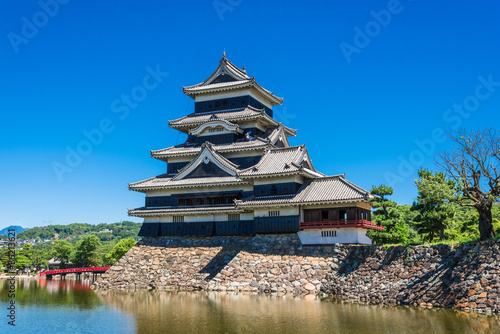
238	79
207	154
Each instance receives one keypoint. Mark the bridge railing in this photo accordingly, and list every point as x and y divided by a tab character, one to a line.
341	224
74	270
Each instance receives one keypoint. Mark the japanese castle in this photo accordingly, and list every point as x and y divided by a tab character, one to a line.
238	175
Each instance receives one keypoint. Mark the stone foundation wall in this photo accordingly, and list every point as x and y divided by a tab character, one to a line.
466	277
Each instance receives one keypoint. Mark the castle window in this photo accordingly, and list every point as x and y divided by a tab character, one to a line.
217	104
327	234
233	217
274	190
178	219
224	103
274	213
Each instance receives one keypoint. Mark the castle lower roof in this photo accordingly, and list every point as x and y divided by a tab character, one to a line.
190	149
145	211
166	181
330	189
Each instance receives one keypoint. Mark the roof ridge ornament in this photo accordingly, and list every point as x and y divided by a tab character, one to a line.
207	144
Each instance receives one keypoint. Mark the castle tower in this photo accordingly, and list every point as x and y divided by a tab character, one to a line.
238	175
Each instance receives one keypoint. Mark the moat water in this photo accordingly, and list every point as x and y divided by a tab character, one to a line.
72	307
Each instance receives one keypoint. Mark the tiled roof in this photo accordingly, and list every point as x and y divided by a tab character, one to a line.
241	80
323	189
232	115
165	181
278	132
281	161
147	211
210	150
227	66
189	150
217	85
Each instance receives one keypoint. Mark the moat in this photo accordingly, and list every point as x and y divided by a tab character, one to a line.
72	307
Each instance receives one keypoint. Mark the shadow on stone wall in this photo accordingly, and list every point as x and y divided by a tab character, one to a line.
466	276
221	260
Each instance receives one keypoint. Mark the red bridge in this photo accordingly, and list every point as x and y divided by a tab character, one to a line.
77	271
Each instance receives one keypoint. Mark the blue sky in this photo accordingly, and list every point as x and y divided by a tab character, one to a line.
370	86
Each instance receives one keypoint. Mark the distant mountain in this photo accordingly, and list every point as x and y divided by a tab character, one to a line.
18	229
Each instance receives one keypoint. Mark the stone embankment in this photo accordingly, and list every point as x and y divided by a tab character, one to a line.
465	277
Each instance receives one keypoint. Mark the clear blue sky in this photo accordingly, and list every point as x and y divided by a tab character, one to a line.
361	92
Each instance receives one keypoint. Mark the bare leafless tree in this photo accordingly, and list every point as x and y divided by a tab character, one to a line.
475	166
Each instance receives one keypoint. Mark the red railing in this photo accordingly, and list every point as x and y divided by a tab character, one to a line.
74	270
341	224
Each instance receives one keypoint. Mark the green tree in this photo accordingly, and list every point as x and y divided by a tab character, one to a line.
87	252
122	247
463	226
4	257
474	164
389	215
62	250
433	203
22	261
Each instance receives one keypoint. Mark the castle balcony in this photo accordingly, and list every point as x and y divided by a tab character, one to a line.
366	224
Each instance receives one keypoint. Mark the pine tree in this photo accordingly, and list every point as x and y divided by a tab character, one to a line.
433	203
389	215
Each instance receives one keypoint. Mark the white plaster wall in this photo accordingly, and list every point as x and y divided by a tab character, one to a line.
221	217
299	179
151	219
182	159
199	218
363	239
281	179
239	154
252	124
284	211
246	216
344	236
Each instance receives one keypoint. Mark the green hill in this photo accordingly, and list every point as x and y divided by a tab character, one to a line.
74	232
